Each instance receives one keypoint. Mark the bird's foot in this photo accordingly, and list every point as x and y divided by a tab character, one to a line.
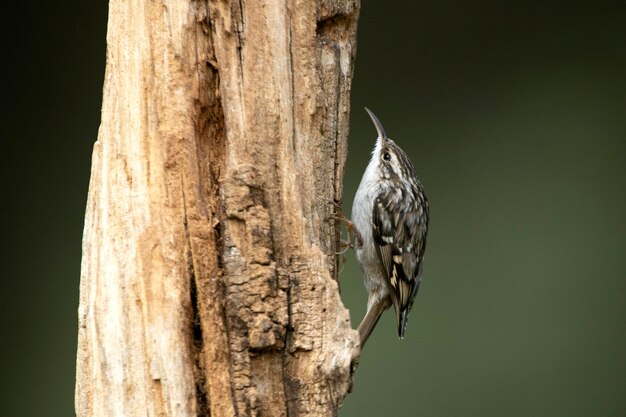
344	246
355	240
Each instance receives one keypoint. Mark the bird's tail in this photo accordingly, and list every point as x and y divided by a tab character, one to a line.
371	318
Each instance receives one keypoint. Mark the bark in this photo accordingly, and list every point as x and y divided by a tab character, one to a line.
207	282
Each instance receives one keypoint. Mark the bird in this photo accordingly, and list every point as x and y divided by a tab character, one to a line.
388	229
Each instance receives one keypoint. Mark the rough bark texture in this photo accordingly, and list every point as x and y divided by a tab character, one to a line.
207	276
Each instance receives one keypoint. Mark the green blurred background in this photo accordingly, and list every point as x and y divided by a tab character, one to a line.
514	114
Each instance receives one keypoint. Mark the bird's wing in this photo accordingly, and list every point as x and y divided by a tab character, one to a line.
399	230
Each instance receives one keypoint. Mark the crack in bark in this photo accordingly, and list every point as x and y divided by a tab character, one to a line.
240	28
286	381
292	76
202	398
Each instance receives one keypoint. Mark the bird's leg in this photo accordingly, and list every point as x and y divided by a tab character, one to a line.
354	236
371	318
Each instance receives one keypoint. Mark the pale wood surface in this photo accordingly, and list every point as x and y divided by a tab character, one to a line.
207	273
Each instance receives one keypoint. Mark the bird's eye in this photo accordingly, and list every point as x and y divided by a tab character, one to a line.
386	156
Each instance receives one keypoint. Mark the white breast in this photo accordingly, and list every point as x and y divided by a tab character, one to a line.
362	209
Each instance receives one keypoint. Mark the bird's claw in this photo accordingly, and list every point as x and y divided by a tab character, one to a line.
344	246
355	239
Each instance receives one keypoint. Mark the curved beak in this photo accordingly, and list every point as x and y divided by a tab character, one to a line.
377	124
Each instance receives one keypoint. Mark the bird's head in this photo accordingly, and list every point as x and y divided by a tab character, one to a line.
391	161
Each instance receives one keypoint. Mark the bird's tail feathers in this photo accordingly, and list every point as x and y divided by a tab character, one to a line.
371	319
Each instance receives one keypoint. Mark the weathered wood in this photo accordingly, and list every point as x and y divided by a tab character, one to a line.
207	274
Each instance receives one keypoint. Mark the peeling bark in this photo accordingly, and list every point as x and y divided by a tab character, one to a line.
207	281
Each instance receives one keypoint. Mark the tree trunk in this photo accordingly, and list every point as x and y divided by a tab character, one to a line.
207	283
